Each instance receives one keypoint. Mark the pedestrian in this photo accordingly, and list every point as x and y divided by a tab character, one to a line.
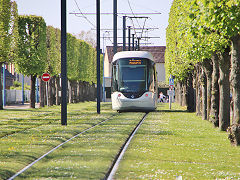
161	96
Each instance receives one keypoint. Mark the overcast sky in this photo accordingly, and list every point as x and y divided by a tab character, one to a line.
50	11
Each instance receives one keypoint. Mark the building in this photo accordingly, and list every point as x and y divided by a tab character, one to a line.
158	55
9	78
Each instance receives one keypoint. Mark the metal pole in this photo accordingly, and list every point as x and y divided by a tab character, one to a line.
124	33
129	38
22	89
114	26
37	91
98	56
138	45
64	62
170	101
104	98
47	92
133	42
4	85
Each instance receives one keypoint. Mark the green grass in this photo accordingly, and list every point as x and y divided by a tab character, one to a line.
28	134
90	155
174	143
170	143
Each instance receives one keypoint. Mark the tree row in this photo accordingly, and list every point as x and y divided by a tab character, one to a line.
35	48
203	53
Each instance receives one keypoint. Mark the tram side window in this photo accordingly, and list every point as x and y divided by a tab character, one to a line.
151	77
114	78
155	79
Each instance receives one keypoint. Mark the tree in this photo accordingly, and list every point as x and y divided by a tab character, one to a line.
32	49
203	31
222	18
8	36
53	63
88	37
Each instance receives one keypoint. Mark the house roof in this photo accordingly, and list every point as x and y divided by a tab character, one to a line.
8	74
157	52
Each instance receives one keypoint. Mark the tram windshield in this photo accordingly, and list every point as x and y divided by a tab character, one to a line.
132	75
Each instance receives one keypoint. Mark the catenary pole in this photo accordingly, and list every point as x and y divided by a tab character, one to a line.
138	43
124	33
63	62
129	38
114	26
133	38
98	56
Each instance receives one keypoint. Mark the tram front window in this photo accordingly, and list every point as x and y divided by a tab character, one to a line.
132	77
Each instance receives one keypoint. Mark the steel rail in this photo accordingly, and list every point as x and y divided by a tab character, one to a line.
34	162
113	169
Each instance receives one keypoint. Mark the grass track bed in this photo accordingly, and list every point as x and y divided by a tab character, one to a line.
87	156
177	143
90	155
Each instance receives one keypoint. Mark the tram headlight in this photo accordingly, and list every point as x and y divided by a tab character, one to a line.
146	95
119	95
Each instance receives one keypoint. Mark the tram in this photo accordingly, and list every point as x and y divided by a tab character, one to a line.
134	81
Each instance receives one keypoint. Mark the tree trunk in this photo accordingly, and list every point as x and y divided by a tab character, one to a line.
214	114
177	92
198	91
94	92
207	64
84	91
74	91
180	93
1	87
50	92
204	95
235	77
54	90
42	92
224	90
88	91
80	91
184	94
70	90
33	89
190	94
58	89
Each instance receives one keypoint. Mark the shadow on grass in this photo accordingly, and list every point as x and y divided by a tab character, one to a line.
25	110
166	110
5	173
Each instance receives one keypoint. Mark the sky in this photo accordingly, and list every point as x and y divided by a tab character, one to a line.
50	11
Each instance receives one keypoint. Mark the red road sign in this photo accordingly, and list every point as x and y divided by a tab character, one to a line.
45	77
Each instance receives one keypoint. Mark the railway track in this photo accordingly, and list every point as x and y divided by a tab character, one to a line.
112	169
37	160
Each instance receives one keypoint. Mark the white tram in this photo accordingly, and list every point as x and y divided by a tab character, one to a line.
134	81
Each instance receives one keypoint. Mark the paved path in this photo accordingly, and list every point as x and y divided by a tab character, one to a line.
20	106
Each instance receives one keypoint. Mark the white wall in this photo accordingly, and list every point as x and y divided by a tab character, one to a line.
15	96
107	67
160	72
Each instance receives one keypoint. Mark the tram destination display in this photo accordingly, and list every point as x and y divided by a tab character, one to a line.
135	62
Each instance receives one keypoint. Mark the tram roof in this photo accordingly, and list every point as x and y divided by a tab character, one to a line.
157	52
133	54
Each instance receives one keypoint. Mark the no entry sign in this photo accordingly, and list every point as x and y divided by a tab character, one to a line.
45	77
